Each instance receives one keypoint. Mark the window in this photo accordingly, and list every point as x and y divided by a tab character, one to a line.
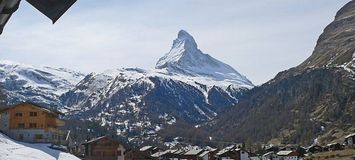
21	125
119	153
33	114
18	114
33	125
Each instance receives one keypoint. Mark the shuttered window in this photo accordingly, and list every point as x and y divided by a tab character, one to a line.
33	114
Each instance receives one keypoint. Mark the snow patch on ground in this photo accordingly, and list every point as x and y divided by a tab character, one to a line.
13	150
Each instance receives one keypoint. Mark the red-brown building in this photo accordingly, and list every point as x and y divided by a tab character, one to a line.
104	148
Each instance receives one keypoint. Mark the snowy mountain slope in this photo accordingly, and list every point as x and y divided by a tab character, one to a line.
13	150
185	58
37	84
186	86
138	102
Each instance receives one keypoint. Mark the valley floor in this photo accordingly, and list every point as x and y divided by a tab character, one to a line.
13	150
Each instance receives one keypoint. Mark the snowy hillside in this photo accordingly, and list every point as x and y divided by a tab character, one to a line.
13	150
138	102
38	84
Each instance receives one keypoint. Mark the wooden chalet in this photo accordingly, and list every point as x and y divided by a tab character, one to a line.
104	148
32	123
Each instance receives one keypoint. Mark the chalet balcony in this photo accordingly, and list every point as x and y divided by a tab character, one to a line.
56	131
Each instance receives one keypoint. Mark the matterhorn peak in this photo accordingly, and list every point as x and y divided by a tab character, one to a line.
185	58
185	40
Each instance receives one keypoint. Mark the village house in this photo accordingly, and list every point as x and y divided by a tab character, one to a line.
205	155
350	140
270	156
175	154
193	154
149	149
287	155
104	148
166	155
137	155
333	147
232	154
314	149
29	122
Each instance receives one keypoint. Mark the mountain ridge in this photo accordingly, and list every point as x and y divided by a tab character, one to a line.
314	100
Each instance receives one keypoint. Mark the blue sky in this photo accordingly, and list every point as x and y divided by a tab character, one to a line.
258	38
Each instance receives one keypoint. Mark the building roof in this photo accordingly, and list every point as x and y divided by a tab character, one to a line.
52	111
204	153
7	8
53	9
179	152
159	154
94	140
284	153
193	152
268	154
145	148
350	135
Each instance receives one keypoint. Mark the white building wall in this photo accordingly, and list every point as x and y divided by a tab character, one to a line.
244	155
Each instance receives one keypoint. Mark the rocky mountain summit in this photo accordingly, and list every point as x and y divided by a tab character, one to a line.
185	58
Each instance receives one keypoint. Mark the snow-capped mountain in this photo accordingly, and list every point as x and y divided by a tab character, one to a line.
185	58
37	84
138	102
186	86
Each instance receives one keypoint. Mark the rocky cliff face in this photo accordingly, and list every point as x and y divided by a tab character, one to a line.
313	100
335	47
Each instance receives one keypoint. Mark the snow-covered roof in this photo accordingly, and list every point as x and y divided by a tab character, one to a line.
204	153
94	140
193	152
284	153
350	135
158	154
268	153
52	111
145	148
